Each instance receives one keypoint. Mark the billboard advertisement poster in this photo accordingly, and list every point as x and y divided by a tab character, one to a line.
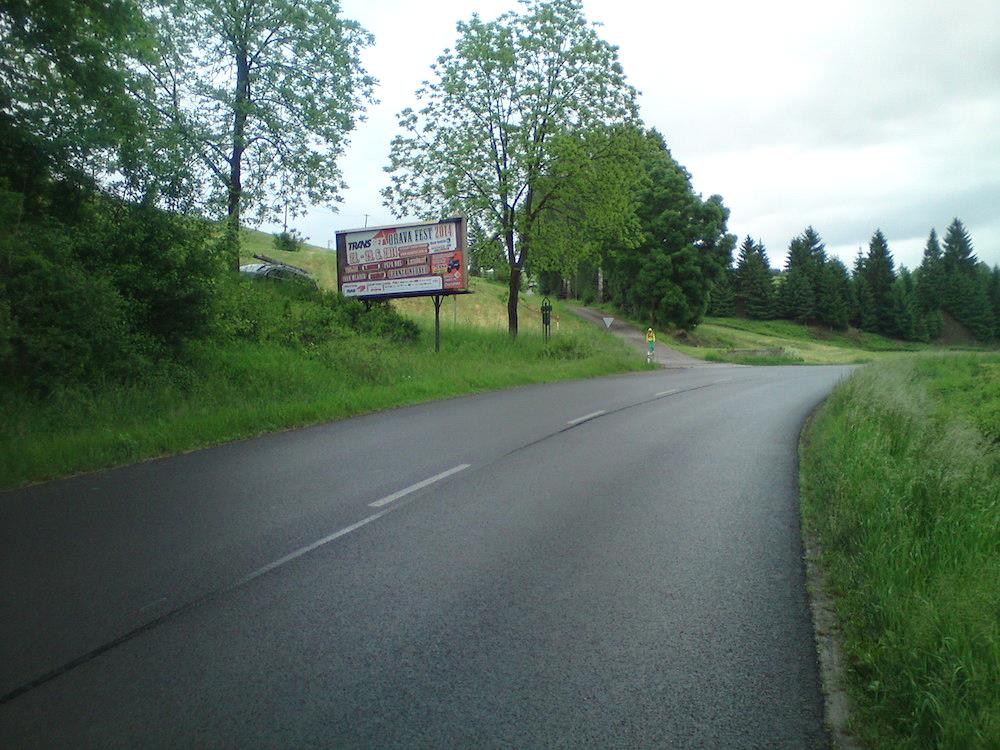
408	260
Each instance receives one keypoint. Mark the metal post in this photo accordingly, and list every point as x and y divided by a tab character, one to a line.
437	322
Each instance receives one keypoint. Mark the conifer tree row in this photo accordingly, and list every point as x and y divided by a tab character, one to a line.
874	296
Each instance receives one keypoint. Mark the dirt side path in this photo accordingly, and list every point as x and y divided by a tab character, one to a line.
662	354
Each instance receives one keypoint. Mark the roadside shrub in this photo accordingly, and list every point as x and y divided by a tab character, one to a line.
289	241
62	323
296	315
567	348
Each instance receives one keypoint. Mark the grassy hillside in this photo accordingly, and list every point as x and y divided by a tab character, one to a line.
319	261
901	483
280	356
783	342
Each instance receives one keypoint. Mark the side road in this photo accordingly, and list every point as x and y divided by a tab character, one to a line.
663	355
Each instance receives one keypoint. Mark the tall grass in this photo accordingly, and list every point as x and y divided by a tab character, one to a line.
279	364
903	489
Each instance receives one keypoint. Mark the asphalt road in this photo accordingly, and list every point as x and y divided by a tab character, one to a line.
613	562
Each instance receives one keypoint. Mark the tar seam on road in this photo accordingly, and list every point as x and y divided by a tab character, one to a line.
571	425
135	632
418	486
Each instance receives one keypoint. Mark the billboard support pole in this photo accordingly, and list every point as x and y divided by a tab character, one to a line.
437	322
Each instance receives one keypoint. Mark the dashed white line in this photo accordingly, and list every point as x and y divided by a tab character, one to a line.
418	486
585	417
666	393
308	548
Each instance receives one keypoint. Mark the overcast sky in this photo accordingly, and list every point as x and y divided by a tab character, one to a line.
849	116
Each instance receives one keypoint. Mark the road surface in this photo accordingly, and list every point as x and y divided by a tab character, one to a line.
612	562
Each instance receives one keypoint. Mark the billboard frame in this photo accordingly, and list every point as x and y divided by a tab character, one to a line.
461	247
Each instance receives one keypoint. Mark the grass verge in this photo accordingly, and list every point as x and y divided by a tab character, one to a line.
237	390
900	475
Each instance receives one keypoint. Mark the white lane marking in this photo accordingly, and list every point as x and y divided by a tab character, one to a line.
585	417
418	486
724	380
666	393
308	548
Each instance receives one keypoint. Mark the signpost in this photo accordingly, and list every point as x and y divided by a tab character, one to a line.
406	260
546	318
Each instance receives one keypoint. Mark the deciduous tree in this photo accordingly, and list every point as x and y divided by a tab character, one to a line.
263	93
488	132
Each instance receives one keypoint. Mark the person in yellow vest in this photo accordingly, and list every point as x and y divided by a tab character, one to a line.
650	342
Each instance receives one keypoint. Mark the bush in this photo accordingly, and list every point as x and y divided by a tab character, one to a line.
60	322
289	241
101	296
296	315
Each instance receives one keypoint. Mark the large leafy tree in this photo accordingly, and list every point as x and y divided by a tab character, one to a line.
598	175
262	93
684	251
65	108
487	135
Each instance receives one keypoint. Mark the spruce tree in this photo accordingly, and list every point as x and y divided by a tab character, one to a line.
906	316
966	285
755	287
832	302
930	285
798	302
880	275
722	299
930	276
993	292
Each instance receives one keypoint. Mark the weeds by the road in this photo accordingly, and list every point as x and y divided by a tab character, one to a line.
282	359
901	482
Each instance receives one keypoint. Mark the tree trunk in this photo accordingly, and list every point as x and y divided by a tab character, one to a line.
514	284
512	292
236	160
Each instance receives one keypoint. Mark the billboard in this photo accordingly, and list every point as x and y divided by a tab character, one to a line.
409	260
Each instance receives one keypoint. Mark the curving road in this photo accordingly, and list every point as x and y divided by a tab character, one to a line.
612	562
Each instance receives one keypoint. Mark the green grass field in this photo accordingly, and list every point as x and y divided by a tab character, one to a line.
900	476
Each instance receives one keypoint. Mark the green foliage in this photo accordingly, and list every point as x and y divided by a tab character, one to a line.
102	296
65	80
754	283
722	301
834	295
288	241
504	127
797	300
684	251
254	310
879	273
261	95
904	493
